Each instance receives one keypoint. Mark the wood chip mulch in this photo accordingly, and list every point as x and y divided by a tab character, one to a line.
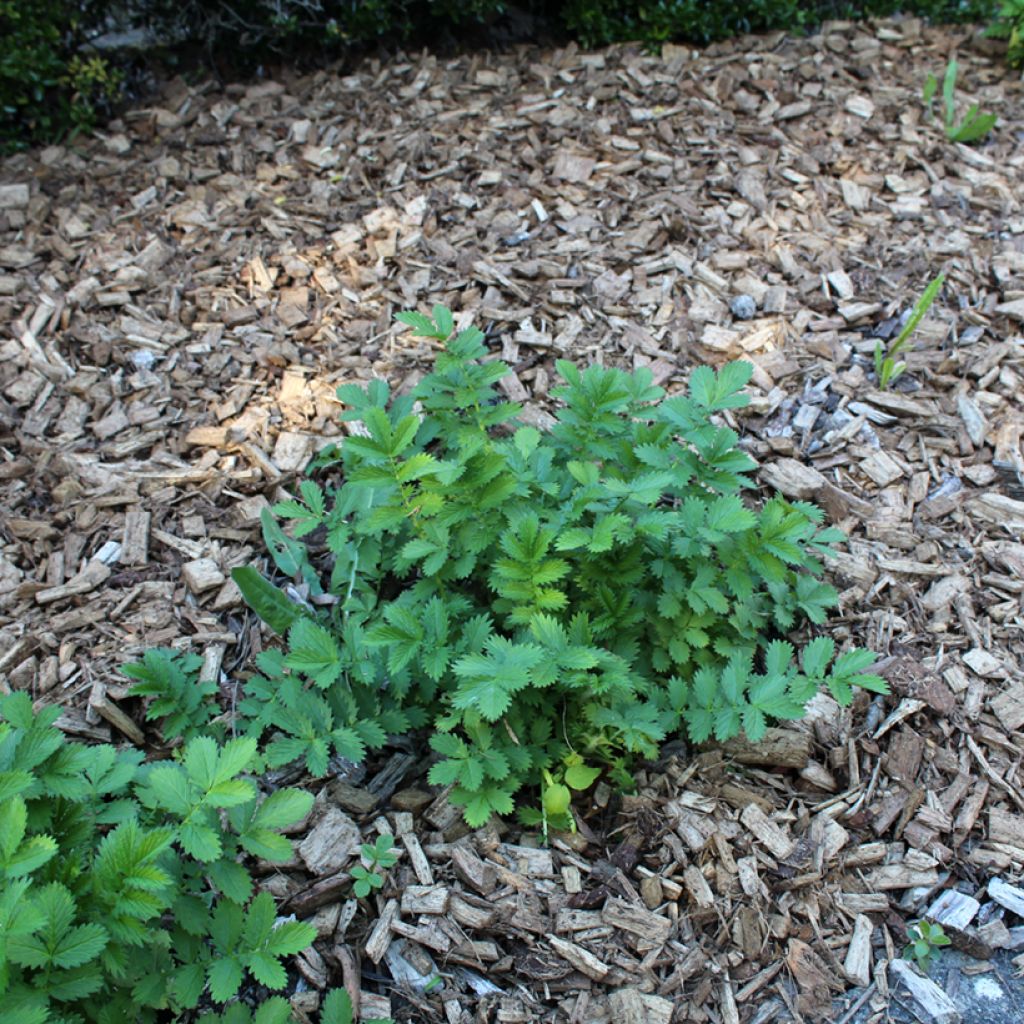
181	295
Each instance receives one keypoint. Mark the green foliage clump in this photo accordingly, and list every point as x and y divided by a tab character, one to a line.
1009	25
48	87
973	126
53	84
926	943
551	604
180	698
887	369
336	1008
367	876
598	22
123	895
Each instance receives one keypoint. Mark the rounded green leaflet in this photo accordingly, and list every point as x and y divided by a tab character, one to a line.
556	799
581	776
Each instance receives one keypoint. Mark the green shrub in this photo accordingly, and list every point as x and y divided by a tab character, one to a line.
180	699
52	83
597	22
48	87
122	891
1009	25
552	605
300	28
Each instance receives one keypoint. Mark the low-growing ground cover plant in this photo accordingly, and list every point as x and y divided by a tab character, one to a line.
973	126
123	895
366	876
887	369
926	943
551	605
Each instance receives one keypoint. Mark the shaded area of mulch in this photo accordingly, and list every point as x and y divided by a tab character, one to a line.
180	297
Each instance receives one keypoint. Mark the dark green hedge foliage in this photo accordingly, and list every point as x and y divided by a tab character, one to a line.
597	22
1009	25
53	81
48	84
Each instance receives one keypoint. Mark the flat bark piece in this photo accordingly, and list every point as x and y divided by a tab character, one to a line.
13	197
858	962
425	899
778	748
202	574
476	873
135	540
931	1004
1006	895
999	510
581	959
573	167
106	708
955	910
767	832
471	912
94	574
428	935
812	976
882	468
332	842
292	451
652	929
631	1006
380	938
1004	827
698	888
906	875
418	859
792	478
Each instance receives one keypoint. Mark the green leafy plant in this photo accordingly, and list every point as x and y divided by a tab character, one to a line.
336	1008
926	940
887	369
597	22
122	889
184	702
974	125
366	876
1009	25
552	605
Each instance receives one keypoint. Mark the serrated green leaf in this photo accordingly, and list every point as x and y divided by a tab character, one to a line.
225	977
314	653
276	1010
283	807
336	1008
232	879
816	656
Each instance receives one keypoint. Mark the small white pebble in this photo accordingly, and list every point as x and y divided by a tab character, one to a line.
988	989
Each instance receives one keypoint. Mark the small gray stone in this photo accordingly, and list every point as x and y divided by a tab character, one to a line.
743	307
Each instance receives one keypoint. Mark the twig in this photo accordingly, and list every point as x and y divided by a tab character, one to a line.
861	1000
1010	790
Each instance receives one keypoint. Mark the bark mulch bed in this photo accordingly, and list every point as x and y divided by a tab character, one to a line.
180	297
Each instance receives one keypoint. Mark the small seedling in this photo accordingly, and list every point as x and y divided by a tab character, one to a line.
886	367
926	939
974	125
379	855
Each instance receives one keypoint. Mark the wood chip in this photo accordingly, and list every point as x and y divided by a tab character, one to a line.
932	1005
